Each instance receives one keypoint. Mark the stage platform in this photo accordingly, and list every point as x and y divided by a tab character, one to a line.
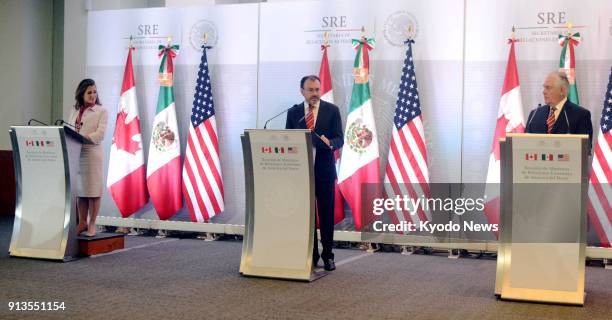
100	243
174	278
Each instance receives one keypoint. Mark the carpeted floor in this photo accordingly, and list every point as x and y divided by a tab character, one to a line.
193	279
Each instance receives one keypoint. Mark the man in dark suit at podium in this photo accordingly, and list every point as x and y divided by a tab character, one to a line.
559	115
323	118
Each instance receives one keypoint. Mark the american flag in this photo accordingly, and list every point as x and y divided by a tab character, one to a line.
600	193
406	172
202	183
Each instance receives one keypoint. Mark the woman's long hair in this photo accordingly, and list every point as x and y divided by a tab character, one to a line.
80	92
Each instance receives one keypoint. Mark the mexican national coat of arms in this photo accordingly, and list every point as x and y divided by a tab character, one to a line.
163	137
359	136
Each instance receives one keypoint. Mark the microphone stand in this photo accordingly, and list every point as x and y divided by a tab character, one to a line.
40	122
62	122
276	116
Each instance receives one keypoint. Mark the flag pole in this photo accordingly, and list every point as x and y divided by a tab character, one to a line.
205	41
326	38
409	29
205	38
513	38
569	29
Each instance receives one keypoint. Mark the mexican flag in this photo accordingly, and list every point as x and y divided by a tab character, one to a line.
327	94
126	170
360	160
164	163
567	63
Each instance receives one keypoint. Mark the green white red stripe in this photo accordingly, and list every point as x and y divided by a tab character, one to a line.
164	163
360	162
567	63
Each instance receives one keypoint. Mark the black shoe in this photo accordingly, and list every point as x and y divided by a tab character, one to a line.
315	262
329	265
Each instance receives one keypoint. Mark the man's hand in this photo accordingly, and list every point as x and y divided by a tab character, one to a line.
326	140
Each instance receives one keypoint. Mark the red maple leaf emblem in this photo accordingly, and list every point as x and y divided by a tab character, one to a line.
124	133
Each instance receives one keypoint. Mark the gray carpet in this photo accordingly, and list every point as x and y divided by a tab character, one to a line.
194	279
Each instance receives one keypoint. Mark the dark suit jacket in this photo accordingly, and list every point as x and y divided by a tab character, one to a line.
328	124
578	118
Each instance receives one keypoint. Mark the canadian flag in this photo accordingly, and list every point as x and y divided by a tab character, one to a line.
126	179
327	94
509	119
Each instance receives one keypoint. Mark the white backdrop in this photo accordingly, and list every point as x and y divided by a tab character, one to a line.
233	67
488	26
262	50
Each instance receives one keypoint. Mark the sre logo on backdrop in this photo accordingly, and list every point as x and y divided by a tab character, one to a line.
546	18
333	22
148	29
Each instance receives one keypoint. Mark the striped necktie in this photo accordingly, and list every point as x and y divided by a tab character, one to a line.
550	122
310	118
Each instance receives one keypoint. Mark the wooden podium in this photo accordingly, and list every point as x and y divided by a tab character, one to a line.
541	254
279	219
46	164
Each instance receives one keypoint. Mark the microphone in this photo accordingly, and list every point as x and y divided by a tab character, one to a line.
302	119
568	130
40	122
62	122
534	114
276	116
566	120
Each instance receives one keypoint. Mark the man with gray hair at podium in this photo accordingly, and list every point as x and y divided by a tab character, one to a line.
559	115
323	119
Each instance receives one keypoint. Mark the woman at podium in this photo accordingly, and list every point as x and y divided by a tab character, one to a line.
89	118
